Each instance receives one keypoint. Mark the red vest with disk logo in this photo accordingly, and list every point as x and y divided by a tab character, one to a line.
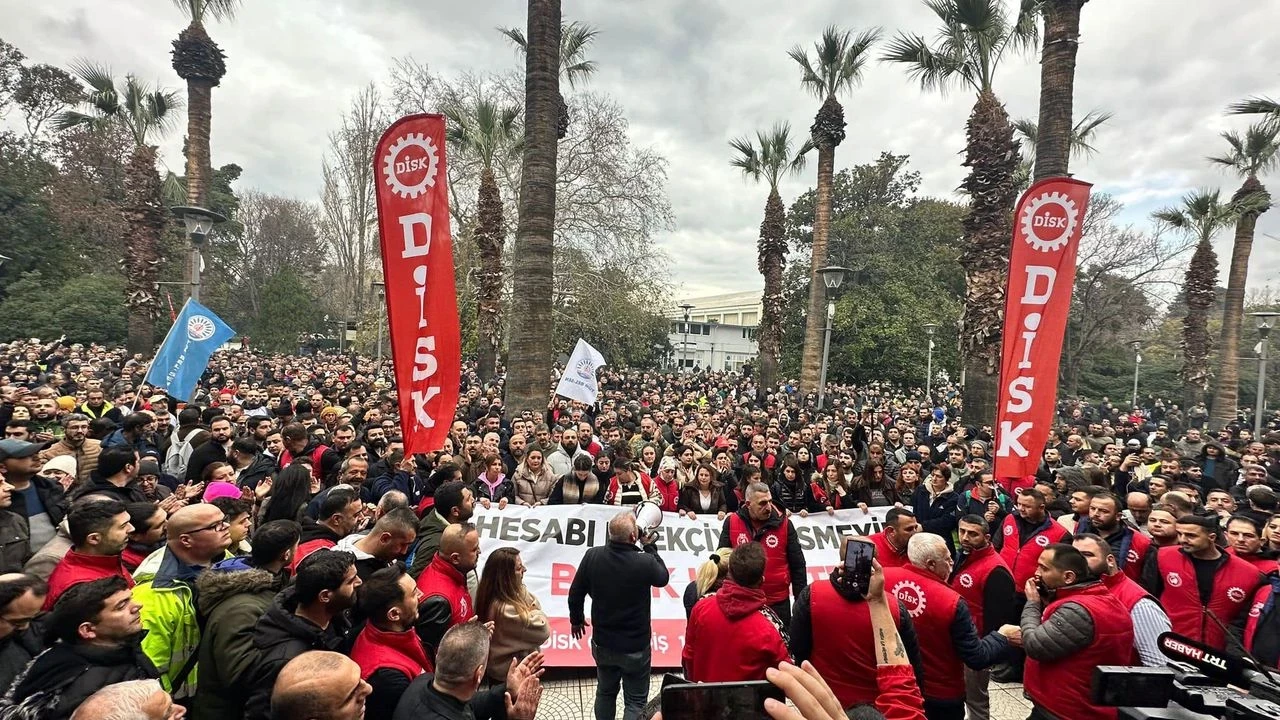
777	573
970	581
1233	587
1021	557
1062	686
932	607
843	651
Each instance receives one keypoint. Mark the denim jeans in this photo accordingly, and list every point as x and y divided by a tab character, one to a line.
631	671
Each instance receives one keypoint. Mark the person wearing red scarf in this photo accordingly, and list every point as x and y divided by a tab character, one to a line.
388	651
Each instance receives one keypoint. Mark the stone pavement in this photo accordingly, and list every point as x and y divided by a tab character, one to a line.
570	695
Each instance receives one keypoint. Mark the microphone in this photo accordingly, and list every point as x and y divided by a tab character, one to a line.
1210	661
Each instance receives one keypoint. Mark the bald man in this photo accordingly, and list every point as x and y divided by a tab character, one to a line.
445	600
198	535
133	699
319	685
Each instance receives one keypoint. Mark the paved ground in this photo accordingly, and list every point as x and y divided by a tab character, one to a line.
572	698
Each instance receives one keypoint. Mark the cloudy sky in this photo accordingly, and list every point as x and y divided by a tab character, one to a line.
694	73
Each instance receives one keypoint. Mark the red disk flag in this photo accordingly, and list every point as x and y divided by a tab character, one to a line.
1042	271
417	266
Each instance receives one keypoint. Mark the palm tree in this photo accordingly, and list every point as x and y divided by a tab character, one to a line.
770	160
1203	215
837	64
1054	147
198	60
575	38
147	113
974	38
1081	141
486	131
530	349
1250	155
1257	106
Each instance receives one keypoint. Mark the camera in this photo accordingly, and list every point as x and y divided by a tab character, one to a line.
1200	683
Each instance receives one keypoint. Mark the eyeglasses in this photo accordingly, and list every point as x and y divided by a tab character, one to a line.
220	525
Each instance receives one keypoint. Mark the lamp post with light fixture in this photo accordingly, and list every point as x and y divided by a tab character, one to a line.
929	330
380	289
199	223
832	277
1265	320
684	348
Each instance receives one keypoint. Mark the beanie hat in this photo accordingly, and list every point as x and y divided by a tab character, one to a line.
65	463
66	403
217	490
148	466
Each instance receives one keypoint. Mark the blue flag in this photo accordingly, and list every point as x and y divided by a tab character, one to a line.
186	350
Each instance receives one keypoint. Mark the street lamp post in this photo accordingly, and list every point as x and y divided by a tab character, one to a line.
199	223
929	330
684	349
380	288
1137	363
1265	320
832	277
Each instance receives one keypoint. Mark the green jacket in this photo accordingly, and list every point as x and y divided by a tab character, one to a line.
430	528
231	603
165	589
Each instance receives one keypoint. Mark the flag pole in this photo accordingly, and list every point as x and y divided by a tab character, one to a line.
151	366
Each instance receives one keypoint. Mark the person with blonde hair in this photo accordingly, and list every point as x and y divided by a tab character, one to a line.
519	624
711	575
534	481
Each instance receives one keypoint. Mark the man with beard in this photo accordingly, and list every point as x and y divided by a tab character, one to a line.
388	651
94	637
44	421
36	498
446	601
310	615
1131	547
1070	625
561	461
983	579
1149	619
1052	461
99	533
77	444
452	502
297	443
649	436
758	520
514	453
375	441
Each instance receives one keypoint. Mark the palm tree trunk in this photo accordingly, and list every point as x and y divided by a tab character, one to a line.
199	117
1057	86
991	154
772	260
530	350
811	356
489	236
1199	287
144	213
1226	393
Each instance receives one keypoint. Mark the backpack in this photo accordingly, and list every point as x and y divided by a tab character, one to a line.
179	455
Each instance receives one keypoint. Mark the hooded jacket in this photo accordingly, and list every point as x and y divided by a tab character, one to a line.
166	591
232	601
260	467
733	636
1220	472
64	676
430	528
278	637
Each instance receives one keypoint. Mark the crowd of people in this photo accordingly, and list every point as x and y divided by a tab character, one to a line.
269	550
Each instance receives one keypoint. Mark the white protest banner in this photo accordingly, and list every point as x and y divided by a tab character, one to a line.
579	379
553	539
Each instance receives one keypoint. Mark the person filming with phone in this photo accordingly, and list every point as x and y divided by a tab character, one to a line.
833	621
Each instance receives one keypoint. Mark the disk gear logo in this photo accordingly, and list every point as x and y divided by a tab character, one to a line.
1048	221
411	164
1235	594
742	539
966	580
1174	579
912	596
771	541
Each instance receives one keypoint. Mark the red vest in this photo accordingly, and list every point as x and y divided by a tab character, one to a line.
1129	593
1233	586
1021	557
777	572
886	553
843	649
1062	686
932	606
970	580
378	649
443	580
1255	614
306	549
1266	566
316	471
1136	557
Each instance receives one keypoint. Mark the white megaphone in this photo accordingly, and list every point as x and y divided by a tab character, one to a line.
648	517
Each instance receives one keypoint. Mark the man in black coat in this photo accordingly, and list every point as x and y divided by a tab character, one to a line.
212	451
311	615
453	692
619	578
95	636
21	597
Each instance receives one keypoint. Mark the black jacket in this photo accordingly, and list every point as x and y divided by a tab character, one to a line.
260	467
16	652
204	456
64	676
51	496
279	637
795	496
421	701
618	577
130	493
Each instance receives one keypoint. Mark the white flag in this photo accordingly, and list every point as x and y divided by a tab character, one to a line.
579	379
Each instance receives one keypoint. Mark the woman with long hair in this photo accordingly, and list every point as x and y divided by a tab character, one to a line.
533	479
831	483
793	493
149	524
492	486
804	461
685	467
908	481
704	495
519	624
648	458
880	487
290	494
934	504
711	575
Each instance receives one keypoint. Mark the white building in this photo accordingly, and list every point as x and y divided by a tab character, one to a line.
720	334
